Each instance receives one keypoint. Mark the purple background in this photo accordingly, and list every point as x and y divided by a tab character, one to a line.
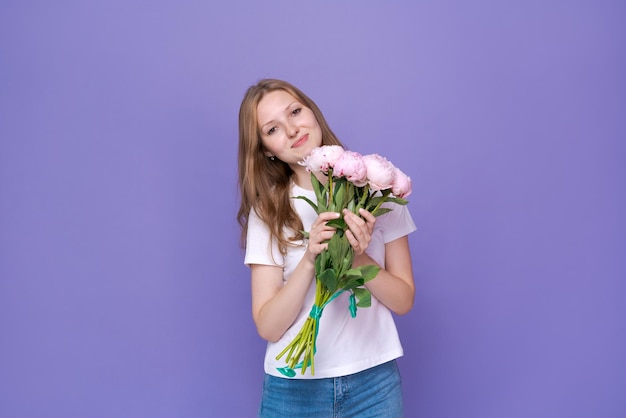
122	289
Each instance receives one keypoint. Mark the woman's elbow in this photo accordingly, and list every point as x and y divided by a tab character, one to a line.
402	310
269	337
268	334
404	307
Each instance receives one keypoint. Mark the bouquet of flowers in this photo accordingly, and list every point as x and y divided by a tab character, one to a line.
353	182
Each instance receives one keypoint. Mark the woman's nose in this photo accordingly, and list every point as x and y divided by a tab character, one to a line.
292	130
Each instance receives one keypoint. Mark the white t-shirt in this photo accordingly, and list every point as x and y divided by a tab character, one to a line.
345	345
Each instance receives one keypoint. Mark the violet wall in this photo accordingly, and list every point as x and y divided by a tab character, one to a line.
122	289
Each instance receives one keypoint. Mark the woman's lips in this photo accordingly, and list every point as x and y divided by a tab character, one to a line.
300	141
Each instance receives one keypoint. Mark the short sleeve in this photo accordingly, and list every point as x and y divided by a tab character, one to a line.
396	223
260	247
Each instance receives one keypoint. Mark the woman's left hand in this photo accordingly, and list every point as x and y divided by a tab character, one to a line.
360	229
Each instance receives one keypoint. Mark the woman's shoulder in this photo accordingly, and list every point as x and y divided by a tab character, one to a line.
397	221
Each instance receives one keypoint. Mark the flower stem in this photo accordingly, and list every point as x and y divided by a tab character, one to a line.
330	188
366	193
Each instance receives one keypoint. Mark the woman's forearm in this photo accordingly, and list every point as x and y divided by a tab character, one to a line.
281	308
393	292
393	286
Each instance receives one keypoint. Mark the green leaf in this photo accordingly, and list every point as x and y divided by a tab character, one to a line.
374	201
328	279
338	223
353	273
353	283
369	271
340	195
321	194
348	259
364	296
397	200
381	211
338	248
321	261
309	201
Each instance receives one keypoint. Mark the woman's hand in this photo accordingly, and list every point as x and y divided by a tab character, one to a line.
360	229
319	234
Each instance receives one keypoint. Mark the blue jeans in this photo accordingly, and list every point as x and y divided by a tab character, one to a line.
374	392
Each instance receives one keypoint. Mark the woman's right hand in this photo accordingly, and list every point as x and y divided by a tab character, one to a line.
319	234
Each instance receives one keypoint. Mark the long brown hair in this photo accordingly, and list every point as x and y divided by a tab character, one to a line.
264	184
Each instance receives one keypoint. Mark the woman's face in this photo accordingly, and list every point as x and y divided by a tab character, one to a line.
289	130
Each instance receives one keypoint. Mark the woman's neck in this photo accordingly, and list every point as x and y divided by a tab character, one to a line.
303	178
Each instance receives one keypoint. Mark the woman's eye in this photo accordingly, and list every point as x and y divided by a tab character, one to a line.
296	111
271	130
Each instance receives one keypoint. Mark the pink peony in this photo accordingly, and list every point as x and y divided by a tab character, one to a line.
322	158
401	184
380	172
351	166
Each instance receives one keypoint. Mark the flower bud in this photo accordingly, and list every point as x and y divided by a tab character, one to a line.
351	166
401	184
380	172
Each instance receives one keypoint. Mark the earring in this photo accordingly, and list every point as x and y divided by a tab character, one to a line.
272	157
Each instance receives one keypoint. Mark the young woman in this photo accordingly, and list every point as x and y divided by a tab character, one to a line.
355	368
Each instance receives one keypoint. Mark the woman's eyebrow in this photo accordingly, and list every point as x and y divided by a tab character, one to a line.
269	122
